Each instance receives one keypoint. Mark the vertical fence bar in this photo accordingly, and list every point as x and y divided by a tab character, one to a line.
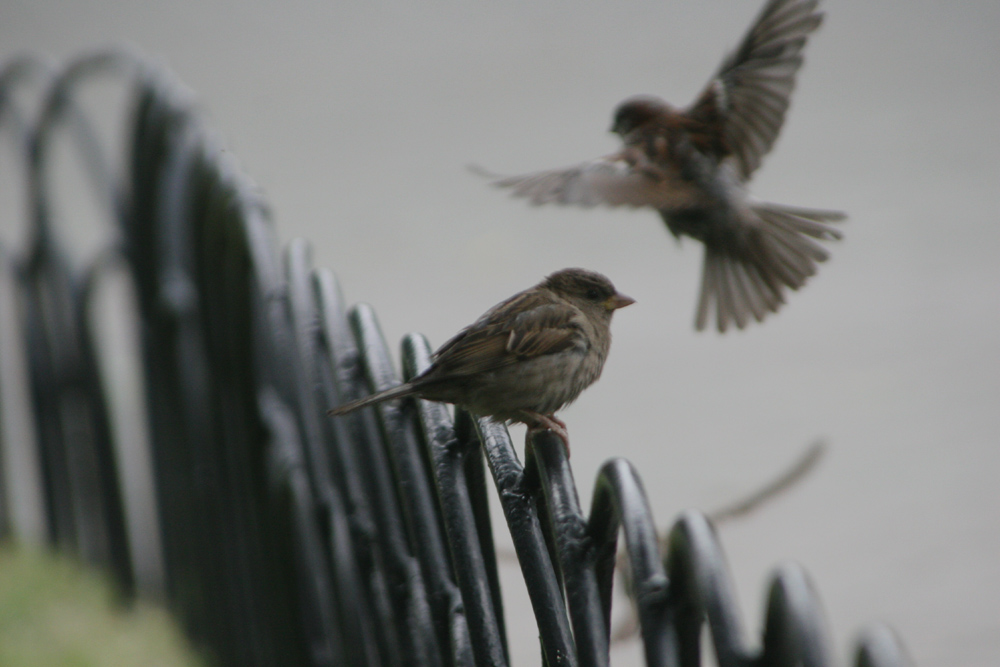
402	480
79	466
575	549
518	501
351	453
479	619
619	501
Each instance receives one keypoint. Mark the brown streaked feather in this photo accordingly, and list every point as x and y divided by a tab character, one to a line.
476	352
501	338
545	330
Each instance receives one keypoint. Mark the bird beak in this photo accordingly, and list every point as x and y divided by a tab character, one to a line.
618	301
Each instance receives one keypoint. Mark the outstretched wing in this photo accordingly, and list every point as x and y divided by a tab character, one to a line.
747	98
622	179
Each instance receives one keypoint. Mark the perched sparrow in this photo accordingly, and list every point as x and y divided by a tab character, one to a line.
524	358
692	165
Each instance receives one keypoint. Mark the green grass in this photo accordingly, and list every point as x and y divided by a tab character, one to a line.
56	613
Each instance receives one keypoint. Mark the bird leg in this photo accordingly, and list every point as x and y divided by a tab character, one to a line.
536	421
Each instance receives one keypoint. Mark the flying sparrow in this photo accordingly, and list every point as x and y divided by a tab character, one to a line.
526	357
692	166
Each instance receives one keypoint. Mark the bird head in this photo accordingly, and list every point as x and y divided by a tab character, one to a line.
588	289
637	111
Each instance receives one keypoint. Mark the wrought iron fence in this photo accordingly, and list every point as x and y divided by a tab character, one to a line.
290	538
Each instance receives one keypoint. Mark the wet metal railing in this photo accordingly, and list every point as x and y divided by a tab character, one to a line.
292	538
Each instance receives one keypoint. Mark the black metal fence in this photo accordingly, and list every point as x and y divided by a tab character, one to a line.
290	538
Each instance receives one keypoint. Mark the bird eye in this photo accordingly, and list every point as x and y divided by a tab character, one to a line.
593	294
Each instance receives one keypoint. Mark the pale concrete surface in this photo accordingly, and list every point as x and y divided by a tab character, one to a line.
357	119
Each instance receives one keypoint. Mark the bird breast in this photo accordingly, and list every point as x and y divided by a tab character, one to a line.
544	384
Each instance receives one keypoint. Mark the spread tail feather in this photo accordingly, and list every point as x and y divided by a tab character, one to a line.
748	279
387	395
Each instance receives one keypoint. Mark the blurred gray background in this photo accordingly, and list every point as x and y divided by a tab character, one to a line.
357	119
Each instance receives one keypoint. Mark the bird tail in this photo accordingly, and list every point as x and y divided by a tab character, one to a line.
747	279
387	395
